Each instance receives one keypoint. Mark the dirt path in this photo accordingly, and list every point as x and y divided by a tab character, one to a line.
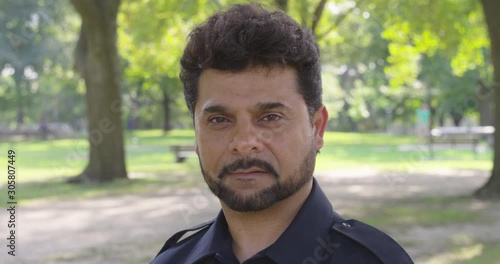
131	229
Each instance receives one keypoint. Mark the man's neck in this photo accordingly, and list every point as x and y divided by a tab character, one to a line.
255	231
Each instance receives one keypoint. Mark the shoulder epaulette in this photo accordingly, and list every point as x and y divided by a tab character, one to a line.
376	241
176	238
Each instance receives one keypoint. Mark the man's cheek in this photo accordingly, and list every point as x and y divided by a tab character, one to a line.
267	136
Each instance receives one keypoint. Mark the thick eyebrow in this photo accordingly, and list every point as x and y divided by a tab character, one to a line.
270	106
260	107
214	109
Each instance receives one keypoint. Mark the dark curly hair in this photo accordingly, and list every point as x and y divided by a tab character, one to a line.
248	35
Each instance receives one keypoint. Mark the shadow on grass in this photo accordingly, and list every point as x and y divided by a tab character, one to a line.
57	189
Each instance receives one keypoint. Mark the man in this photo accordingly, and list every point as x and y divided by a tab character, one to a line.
252	84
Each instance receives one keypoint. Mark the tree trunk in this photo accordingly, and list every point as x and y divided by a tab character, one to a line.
485	105
167	126
491	10
441	119
97	61
18	85
456	117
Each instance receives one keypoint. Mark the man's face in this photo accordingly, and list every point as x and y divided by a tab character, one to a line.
255	140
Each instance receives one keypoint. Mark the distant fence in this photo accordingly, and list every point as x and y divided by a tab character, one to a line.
35	131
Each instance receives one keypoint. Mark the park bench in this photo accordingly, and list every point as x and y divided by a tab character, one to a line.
455	137
182	152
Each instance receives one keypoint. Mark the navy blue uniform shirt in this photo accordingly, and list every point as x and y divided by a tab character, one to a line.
316	235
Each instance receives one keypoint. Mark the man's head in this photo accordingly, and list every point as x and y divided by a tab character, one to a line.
246	36
252	83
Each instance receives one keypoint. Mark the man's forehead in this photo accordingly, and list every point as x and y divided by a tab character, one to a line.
259	106
256	80
256	88
265	70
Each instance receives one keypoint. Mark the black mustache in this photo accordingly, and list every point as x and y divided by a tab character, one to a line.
242	164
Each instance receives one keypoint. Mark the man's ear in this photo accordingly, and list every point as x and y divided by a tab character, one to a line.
320	119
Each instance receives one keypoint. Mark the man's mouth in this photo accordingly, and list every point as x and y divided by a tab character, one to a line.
248	169
252	172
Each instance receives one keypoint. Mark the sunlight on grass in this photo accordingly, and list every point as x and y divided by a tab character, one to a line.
473	253
344	138
465	253
490	253
411	216
426	212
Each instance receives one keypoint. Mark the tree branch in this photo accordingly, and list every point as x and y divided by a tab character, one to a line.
81	53
340	19
282	4
317	15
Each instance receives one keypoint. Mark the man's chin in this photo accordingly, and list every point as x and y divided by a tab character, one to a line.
248	183
246	206
249	200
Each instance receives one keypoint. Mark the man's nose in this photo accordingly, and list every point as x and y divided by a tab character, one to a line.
246	139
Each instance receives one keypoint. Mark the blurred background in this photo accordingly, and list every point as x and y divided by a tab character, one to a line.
91	102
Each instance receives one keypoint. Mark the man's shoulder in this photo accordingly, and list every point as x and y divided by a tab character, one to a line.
373	240
181	243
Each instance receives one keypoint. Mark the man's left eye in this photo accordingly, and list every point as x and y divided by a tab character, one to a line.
271	117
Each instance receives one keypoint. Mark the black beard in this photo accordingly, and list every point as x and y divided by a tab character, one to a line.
264	198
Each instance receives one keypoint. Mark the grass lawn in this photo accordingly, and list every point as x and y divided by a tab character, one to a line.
481	253
42	165
425	212
434	212
467	250
471	252
381	151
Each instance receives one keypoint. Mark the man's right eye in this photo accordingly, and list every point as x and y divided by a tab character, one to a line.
217	120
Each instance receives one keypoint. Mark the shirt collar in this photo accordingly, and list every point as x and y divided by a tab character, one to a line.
308	230
217	239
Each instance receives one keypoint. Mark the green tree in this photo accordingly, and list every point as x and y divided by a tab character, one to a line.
457	30
32	41
97	62
152	34
359	54
450	95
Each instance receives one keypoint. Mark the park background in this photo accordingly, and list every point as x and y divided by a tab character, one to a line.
92	113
